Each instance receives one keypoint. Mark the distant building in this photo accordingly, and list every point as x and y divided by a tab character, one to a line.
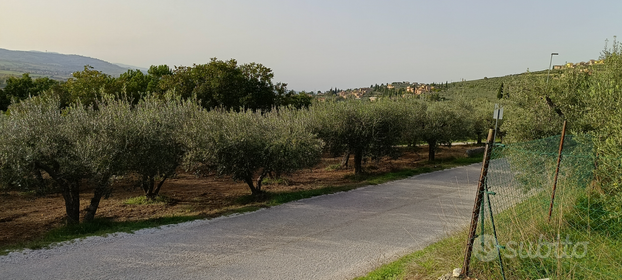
423	89
578	64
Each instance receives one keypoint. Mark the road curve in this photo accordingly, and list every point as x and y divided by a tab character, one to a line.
338	236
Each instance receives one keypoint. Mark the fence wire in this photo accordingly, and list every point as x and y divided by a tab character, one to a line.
582	238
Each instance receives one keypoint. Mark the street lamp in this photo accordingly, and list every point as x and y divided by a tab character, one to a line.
550	64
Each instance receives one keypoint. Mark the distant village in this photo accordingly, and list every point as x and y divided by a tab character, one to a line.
396	88
579	64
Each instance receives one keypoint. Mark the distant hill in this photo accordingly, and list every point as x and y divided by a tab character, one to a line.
53	65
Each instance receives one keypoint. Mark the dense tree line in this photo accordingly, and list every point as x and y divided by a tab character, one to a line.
217	84
21	88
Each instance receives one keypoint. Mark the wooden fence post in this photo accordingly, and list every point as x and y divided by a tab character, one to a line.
559	159
478	202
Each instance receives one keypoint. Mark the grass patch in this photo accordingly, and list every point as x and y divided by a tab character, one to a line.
333	167
429	167
143	200
275	181
397	175
241	210
468	160
268	199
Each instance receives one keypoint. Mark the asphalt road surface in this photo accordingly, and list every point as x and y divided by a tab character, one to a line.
338	236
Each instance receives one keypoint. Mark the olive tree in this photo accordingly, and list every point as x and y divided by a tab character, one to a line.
37	137
531	111
438	123
477	114
44	146
250	145
359	128
156	148
104	145
601	116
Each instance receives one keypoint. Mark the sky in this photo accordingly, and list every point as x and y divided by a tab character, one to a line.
318	45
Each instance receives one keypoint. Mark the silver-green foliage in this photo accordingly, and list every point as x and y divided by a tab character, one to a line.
438	123
479	112
527	114
38	137
250	145
155	139
603	102
45	147
359	128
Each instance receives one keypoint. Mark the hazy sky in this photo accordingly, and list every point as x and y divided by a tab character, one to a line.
316	45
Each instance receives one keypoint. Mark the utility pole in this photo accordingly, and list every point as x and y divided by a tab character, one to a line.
550	64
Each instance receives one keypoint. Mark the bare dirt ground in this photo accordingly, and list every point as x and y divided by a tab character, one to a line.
25	217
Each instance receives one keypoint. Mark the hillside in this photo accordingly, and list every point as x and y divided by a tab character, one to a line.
53	65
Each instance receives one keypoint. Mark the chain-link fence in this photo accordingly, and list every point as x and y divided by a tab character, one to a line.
536	230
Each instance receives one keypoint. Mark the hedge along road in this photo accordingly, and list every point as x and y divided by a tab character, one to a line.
338	236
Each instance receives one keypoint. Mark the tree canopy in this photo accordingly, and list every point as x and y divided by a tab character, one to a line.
18	89
225	84
250	145
439	123
362	129
217	84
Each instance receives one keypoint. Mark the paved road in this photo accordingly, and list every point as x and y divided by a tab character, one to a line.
337	236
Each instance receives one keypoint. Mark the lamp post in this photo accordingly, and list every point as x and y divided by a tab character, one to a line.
550	64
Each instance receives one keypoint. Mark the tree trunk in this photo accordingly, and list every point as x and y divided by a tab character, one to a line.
156	192
358	160
69	189
479	139
259	181
71	194
431	150
92	209
345	159
249	182
40	181
148	186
